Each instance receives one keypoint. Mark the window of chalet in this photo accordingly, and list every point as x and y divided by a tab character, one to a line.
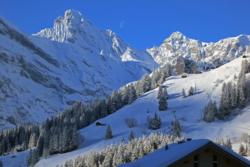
196	161
215	161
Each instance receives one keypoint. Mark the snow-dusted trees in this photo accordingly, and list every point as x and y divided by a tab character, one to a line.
180	65
108	133
18	139
235	95
131	135
191	91
185	65
57	135
160	75
175	128
184	93
162	92
163	104
226	100
116	155
224	142
243	150
154	122
241	90
61	129
210	111
131	122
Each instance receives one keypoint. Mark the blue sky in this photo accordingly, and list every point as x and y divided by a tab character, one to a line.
141	23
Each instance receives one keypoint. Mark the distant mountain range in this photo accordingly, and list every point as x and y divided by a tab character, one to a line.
45	73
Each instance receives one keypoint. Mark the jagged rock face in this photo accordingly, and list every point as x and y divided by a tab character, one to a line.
73	61
206	55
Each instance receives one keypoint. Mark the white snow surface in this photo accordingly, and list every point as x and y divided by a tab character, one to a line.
188	111
72	61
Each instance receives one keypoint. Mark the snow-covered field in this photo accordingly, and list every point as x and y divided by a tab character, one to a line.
188	111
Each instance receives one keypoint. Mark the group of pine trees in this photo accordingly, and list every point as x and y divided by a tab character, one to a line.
185	66
116	155
59	134
224	142
191	92
19	139
234	95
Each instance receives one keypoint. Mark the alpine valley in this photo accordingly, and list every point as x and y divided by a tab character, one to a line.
104	91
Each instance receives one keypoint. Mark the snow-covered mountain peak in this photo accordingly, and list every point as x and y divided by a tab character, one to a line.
176	36
205	55
72	61
68	27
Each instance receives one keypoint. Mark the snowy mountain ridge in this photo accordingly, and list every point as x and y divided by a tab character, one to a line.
45	73
205	55
75	61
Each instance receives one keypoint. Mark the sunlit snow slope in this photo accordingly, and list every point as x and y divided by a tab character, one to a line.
188	111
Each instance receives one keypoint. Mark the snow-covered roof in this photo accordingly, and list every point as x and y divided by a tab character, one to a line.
175	152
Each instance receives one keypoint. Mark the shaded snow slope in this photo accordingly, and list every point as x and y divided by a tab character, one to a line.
188	111
73	61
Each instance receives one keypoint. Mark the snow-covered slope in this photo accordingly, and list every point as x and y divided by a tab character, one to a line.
188	111
73	61
204	54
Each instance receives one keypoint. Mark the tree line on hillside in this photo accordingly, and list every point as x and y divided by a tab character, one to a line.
234	95
59	134
116	155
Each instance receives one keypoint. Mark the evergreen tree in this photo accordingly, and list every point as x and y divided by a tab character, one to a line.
108	134
241	85
163	104
131	135
132	94
224	102
191	91
184	93
176	127
228	143
210	111
154	122
242	150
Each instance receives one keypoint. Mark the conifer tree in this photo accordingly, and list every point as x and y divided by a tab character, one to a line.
242	150
163	104
154	122
184	93
210	111
176	127
131	135
108	134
